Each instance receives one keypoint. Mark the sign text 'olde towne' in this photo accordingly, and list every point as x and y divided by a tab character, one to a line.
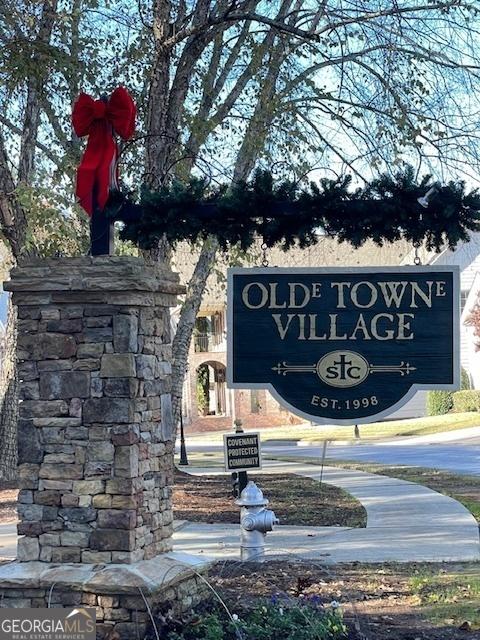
344	345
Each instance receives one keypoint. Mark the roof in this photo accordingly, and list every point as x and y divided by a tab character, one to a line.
328	252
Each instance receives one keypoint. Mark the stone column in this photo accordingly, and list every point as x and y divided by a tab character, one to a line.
96	443
95	430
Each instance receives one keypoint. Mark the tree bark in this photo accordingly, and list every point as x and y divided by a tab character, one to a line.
31	119
9	400
186	323
158	96
14	227
12	217
245	163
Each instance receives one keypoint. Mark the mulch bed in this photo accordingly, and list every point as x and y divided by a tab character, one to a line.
377	600
295	500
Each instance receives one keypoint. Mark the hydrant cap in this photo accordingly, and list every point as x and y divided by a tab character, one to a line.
251	496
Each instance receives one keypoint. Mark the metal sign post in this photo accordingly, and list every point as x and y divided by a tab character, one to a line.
183	448
324	454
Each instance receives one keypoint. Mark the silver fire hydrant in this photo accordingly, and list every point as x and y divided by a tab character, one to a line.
255	522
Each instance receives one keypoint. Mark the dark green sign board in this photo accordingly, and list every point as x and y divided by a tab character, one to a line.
344	346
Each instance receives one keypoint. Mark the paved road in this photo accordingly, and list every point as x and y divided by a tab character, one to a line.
437	451
462	457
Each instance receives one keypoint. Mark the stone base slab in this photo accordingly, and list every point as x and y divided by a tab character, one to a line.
119	592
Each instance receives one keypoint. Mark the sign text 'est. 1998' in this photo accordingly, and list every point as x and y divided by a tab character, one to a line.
344	346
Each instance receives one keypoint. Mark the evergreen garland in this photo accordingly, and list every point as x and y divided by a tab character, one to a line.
384	210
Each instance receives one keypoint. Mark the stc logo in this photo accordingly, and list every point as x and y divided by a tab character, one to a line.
342	369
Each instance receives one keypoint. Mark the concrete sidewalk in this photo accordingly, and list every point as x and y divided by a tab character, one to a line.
8	541
406	522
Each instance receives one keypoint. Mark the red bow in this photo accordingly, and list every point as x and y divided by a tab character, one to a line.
100	119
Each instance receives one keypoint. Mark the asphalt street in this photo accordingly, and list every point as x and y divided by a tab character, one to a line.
459	457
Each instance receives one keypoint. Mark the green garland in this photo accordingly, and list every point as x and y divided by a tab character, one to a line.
385	210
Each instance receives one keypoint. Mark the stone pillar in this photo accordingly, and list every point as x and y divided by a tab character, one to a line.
96	442
95	429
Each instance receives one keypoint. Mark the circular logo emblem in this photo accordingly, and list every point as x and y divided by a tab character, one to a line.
342	369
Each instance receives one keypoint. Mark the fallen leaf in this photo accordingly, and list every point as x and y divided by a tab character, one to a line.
465	626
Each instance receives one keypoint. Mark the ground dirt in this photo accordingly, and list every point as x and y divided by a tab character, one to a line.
298	501
379	602
8	502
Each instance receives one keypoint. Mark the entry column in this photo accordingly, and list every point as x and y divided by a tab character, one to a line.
96	428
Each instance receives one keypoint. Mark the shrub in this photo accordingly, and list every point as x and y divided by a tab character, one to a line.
273	621
464	380
439	402
202	389
466	401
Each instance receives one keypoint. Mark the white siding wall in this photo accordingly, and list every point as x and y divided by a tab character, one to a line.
414	408
468	257
471	355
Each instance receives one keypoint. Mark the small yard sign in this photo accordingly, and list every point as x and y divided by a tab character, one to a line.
242	451
344	346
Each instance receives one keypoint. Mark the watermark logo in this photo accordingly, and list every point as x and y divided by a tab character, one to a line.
47	624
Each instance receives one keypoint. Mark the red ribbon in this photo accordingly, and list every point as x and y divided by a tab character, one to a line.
100	120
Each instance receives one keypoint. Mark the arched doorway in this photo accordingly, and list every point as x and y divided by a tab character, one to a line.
211	389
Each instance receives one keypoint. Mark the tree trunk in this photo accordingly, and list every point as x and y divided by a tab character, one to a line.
257	129
186	323
35	84
14	225
9	400
197	284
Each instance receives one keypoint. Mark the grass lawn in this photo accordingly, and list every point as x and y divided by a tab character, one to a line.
298	501
390	429
203	459
465	489
449	596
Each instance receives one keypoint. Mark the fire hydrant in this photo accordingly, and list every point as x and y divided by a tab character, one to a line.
255	522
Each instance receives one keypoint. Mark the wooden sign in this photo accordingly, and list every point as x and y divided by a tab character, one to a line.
242	451
344	346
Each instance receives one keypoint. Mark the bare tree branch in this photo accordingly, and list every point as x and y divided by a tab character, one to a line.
31	119
291	29
12	218
17	131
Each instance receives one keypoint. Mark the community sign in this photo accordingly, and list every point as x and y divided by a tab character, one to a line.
242	451
344	346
